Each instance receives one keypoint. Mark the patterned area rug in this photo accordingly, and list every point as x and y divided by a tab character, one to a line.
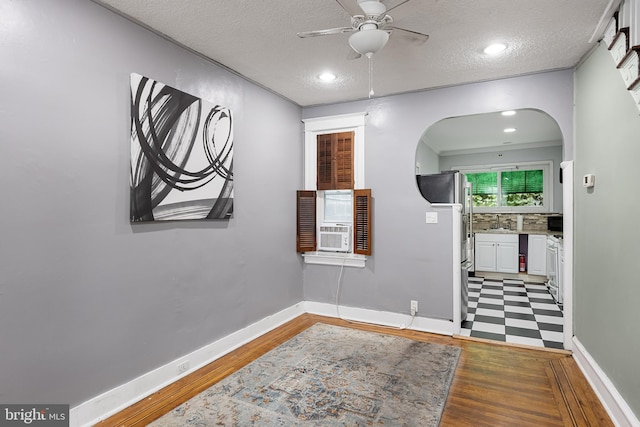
330	376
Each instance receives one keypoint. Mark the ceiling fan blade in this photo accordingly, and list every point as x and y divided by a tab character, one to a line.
413	36
398	5
328	31
350	6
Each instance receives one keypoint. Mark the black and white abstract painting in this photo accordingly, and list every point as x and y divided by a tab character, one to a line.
181	155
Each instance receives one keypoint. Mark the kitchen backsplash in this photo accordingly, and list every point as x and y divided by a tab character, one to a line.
530	222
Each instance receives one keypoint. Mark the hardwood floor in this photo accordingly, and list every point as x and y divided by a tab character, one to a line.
494	384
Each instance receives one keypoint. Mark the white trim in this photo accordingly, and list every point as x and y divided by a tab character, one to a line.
333	124
619	49
115	400
457	269
310	161
335	258
123	396
323	124
567	245
615	405
625	14
604	20
634	25
502	148
382	318
358	159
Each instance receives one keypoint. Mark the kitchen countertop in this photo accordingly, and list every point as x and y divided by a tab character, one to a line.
507	231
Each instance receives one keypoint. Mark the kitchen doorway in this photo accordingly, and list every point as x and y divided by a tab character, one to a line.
510	307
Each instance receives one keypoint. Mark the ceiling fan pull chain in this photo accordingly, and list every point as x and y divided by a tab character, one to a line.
371	93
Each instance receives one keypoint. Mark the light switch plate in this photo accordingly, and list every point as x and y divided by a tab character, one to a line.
431	217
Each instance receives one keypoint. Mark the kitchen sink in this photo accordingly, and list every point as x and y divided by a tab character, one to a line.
496	230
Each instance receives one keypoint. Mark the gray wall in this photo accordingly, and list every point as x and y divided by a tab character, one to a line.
413	260
87	300
606	291
427	160
553	154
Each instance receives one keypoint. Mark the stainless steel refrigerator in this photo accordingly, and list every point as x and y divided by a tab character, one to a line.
451	187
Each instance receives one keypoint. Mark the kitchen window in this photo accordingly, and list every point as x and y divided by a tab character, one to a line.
524	187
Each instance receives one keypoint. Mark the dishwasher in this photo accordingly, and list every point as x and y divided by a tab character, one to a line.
553	244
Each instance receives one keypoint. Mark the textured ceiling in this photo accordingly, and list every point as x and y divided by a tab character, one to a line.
257	39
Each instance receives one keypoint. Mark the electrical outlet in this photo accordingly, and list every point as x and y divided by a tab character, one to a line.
414	307
183	366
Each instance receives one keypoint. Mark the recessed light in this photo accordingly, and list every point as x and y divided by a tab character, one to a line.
327	77
509	130
508	113
495	48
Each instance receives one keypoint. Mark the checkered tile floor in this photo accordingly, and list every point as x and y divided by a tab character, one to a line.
513	311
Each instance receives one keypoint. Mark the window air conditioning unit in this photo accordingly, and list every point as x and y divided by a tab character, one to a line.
334	238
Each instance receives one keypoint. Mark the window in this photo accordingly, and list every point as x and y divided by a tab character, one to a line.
522	187
485	188
338	206
307	224
334	194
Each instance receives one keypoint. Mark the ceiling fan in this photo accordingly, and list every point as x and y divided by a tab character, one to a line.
370	27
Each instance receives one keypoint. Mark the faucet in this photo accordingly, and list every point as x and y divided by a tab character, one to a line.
498	221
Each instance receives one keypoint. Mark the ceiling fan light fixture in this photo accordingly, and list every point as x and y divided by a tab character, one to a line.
372	7
368	42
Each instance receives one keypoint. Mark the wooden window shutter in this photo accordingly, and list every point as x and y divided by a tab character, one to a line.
325	164
335	161
362	222
344	160
305	221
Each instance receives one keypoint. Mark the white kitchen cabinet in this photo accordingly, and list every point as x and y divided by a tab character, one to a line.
496	252
507	256
485	253
537	252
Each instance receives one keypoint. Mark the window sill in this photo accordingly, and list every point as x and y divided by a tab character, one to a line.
335	258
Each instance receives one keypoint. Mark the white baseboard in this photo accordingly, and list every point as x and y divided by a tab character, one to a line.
615	405
119	398
125	395
383	318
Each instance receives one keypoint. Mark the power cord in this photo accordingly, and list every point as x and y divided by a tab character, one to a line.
401	327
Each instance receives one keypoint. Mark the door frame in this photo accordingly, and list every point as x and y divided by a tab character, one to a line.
567	242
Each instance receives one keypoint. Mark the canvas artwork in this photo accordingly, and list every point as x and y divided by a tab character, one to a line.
181	155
